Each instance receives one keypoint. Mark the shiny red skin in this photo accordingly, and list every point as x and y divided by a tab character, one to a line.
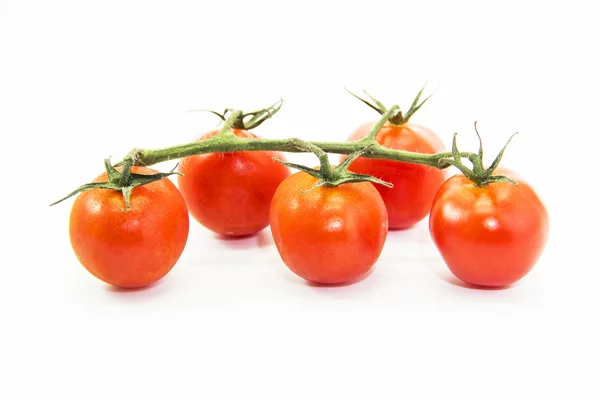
328	235
489	236
409	201
134	248
230	193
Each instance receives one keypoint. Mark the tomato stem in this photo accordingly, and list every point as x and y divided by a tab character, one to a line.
238	119
223	143
397	117
480	176
328	176
234	117
232	144
123	181
382	121
226	142
340	174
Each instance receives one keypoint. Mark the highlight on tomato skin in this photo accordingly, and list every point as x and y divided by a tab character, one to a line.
489	236
230	193
134	248
328	235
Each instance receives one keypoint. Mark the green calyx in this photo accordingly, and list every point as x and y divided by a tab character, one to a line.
328	176
479	175
249	120
123	181
397	118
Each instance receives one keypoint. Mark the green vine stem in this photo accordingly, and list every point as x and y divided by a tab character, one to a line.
226	142
230	143
238	120
333	176
398	117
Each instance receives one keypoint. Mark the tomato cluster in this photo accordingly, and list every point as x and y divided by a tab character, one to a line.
489	232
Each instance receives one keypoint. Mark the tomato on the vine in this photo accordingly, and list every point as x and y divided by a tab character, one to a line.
230	193
328	234
414	185
409	201
132	248
489	225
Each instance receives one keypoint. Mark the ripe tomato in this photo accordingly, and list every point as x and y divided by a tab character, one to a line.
230	193
492	235
409	201
131	248
328	234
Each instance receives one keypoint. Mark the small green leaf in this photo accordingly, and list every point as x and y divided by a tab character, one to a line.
455	152
466	171
86	187
111	171
260	116
480	142
332	177
126	190
415	106
380	110
126	170
313	172
502	178
355	178
379	104
496	162
457	162
116	181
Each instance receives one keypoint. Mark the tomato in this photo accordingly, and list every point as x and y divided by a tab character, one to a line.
230	193
328	234
133	248
409	201
492	235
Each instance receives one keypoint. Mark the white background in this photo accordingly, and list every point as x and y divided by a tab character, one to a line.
82	80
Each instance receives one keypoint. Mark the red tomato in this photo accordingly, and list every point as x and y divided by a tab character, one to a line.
329	234
131	248
409	201
492	235
230	193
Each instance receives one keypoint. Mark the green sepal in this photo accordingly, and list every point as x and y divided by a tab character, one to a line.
478	175
496	162
260	116
311	171
415	106
355	178
256	117
124	181
378	106
457	162
328	176
477	159
111	171
397	118
502	178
